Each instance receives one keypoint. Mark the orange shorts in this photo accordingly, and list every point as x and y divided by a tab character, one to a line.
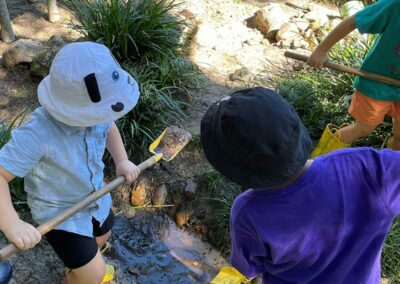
371	112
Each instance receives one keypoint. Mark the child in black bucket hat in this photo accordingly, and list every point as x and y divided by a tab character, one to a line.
300	221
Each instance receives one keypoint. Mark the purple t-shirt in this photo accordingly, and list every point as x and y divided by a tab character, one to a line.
327	227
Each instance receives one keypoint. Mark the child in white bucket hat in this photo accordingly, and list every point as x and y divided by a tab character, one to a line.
59	153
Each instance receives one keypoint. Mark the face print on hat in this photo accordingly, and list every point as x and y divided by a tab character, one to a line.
94	93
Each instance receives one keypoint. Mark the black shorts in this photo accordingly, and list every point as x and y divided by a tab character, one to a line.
77	250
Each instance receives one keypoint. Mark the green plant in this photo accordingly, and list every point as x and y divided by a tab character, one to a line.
18	194
221	194
391	254
129	28
166	81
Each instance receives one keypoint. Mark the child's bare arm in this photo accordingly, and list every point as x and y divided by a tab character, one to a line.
22	234
320	54
115	146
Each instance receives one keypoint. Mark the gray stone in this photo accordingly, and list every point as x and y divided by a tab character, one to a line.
287	32
159	195
269	19
41	63
191	188
317	19
21	51
242	74
183	215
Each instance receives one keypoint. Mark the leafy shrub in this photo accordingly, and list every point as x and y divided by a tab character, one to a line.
221	194
129	28
161	83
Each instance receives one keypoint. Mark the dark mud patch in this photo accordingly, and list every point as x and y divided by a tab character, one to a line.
151	249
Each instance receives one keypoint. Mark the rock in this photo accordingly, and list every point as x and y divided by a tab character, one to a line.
299	43
350	8
21	51
269	20
191	187
302	24
317	18
189	28
183	215
41	63
242	74
285	43
159	195
139	194
288	31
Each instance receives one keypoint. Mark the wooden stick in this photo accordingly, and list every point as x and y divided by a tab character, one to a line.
10	249
346	69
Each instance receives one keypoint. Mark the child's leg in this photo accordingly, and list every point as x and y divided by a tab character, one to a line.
103	239
103	232
92	272
353	132
80	254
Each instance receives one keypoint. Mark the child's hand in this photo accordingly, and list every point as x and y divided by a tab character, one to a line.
317	59
23	235
129	170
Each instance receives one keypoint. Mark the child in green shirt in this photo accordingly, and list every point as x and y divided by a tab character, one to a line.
372	100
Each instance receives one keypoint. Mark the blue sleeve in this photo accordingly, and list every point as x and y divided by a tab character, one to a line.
247	252
23	151
375	18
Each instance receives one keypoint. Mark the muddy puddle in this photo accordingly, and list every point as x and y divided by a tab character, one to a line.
151	249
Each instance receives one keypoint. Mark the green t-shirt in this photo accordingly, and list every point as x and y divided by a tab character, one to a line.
381	18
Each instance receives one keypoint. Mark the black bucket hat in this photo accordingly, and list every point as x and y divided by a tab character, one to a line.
255	138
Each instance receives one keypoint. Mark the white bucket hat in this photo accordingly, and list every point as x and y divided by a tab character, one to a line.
86	86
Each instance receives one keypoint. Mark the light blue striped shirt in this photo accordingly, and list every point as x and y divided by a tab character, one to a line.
61	165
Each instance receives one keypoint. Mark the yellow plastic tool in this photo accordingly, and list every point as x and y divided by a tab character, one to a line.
170	142
229	275
154	146
110	273
328	142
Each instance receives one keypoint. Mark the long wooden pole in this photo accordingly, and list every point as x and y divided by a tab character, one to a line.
346	69
11	249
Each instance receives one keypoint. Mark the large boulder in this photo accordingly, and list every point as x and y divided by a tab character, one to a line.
21	51
270	19
41	63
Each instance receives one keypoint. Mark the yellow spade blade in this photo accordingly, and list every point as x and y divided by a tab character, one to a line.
170	142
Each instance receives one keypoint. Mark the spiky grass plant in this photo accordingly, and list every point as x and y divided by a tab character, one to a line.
129	28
